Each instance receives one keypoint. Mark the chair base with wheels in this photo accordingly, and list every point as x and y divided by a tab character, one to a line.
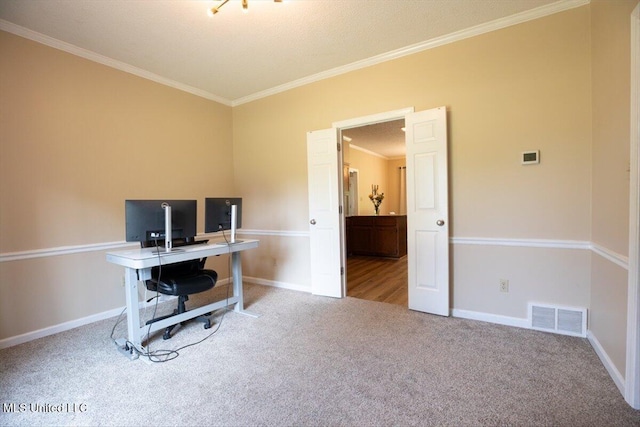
181	309
181	279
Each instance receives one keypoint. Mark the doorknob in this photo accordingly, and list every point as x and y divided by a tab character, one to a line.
440	222
312	222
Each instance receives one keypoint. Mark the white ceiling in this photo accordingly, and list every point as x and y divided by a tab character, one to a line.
232	56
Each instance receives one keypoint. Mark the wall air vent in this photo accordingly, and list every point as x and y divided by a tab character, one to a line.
560	320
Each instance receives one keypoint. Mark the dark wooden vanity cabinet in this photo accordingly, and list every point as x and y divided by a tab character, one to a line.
384	235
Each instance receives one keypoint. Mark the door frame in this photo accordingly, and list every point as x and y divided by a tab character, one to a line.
348	124
632	372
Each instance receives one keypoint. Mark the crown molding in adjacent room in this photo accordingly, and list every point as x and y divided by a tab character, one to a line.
364	150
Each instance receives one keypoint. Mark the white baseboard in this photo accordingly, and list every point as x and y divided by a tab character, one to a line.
62	327
607	362
55	329
275	284
615	375
463	314
491	318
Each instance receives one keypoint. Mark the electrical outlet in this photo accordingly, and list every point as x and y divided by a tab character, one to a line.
504	285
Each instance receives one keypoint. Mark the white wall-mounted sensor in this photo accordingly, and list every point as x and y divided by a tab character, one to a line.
531	157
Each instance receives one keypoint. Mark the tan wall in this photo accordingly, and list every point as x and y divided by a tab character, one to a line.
372	170
539	275
610	62
77	139
524	87
520	88
394	199
608	313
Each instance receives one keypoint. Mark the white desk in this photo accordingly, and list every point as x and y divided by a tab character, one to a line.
138	264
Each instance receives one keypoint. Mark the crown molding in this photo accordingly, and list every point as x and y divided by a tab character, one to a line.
477	30
104	60
364	150
497	24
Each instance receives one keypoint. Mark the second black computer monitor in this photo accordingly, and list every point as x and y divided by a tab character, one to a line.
217	213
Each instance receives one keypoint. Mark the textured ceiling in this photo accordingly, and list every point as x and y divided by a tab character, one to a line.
233	55
385	139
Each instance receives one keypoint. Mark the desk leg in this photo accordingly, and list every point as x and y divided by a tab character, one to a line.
236	267
133	312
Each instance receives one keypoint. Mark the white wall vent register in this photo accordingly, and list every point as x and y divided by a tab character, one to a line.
560	320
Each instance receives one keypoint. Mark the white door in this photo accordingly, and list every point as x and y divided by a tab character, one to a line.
427	211
324	215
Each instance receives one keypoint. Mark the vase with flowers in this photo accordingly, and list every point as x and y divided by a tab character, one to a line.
376	198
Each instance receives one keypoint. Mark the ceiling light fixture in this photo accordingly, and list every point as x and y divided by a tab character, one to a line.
245	6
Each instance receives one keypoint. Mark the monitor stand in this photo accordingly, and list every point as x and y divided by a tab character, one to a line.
234	218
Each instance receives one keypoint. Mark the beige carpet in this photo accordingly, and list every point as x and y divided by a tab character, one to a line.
311	361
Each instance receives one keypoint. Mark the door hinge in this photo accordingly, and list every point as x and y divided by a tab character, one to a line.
342	271
340	209
338	144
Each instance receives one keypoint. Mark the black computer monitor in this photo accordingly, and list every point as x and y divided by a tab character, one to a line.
217	213
145	220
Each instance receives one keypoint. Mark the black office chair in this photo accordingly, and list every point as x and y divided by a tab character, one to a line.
181	279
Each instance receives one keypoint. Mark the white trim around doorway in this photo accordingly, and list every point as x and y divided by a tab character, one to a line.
632	371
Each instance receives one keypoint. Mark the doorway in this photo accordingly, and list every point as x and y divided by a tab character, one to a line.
378	279
373	154
427	209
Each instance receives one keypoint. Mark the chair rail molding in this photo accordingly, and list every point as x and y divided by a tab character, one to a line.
621	260
526	243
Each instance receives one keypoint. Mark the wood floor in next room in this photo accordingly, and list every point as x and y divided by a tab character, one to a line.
378	279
